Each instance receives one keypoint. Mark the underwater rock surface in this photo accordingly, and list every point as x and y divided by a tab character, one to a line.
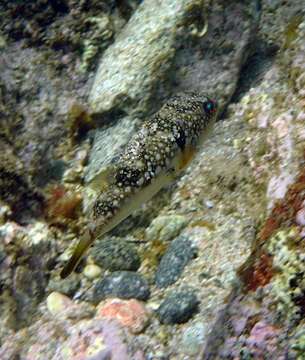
141	56
241	202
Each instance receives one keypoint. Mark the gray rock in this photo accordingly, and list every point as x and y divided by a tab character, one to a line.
114	254
121	284
165	227
177	255
141	55
28	291
192	338
67	286
109	143
178	307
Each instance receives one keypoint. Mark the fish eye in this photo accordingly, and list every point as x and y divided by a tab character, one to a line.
209	107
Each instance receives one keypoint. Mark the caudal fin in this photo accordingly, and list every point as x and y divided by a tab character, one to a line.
82	246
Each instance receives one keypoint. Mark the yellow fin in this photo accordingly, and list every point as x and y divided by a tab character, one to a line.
100	182
84	242
186	158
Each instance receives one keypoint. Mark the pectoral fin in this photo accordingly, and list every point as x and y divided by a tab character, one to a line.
186	157
84	242
100	182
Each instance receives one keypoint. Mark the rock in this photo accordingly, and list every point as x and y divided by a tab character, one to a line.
60	338
151	37
300	216
260	334
114	254
177	255
121	284
178	307
57	302
130	313
28	290
97	339
192	338
288	285
92	271
67	286
165	227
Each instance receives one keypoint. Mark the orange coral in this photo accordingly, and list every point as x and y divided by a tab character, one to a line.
261	274
62	205
79	121
257	270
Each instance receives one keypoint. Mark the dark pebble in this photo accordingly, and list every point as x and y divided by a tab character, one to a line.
68	286
114	254
121	284
178	307
177	255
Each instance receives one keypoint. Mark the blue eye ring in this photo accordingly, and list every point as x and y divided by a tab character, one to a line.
209	107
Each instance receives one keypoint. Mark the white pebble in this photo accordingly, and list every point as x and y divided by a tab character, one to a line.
92	271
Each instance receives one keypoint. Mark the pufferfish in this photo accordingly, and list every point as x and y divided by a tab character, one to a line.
154	156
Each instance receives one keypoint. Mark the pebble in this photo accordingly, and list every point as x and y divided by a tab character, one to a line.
92	271
68	286
193	338
121	284
151	36
130	313
178	307
57	302
177	255
114	255
300	217
165	227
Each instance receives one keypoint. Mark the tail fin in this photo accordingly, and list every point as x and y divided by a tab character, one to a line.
84	242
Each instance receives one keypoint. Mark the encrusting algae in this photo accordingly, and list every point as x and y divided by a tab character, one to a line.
155	155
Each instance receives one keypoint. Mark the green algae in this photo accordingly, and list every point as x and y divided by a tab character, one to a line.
288	283
98	39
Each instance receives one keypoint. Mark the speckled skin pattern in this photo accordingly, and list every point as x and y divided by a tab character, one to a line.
176	126
162	148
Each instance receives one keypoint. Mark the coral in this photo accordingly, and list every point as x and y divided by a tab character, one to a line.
62	205
29	20
289	281
262	336
262	273
285	210
298	343
131	313
79	121
21	198
257	270
99	37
